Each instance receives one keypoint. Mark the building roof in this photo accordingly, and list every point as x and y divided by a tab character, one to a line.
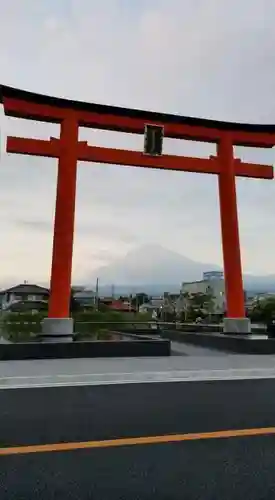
193	282
27	288
118	305
206	281
150	116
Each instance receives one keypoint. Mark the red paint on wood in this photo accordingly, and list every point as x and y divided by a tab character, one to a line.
39	147
45	112
59	304
230	232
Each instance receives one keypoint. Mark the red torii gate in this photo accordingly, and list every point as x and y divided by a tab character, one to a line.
73	114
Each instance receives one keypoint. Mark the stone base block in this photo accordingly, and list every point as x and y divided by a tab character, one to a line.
57	330
237	325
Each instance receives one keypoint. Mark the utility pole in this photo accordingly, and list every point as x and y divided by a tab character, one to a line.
130	302
96	294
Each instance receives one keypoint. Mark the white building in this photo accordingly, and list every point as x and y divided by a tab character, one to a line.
209	275
85	297
212	284
146	308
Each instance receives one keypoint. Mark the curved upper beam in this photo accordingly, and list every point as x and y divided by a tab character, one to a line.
130	120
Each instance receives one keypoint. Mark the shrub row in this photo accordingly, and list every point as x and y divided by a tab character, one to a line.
19	327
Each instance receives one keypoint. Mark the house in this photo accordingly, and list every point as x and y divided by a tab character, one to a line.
146	308
24	306
157	302
120	306
24	292
163	304
117	305
85	298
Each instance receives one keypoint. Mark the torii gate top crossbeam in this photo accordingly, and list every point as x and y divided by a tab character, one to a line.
29	105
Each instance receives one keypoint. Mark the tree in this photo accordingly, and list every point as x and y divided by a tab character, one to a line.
102	307
183	306
263	310
74	305
197	305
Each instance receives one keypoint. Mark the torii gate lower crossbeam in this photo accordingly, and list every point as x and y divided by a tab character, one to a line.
69	150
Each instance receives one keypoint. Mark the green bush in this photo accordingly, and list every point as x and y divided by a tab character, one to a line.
21	327
94	334
91	322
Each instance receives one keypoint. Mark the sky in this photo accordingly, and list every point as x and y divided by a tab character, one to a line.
205	58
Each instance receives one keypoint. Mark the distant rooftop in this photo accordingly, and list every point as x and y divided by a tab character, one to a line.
27	288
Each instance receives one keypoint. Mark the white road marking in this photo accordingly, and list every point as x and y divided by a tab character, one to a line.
134	377
143	373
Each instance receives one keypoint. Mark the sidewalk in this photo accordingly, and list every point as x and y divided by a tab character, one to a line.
194	364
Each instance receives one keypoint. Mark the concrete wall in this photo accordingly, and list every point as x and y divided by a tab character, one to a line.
98	349
226	343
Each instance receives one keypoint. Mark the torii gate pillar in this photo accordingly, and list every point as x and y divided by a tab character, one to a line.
236	321
58	326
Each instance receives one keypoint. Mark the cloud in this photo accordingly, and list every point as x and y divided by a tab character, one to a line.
34	225
99	228
213	59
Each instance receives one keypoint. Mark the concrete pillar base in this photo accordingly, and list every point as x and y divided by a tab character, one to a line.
236	325
57	330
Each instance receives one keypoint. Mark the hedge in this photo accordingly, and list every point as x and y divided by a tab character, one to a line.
20	327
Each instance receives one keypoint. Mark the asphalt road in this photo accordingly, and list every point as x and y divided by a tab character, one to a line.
209	469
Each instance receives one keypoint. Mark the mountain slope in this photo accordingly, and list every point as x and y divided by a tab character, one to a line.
154	268
151	264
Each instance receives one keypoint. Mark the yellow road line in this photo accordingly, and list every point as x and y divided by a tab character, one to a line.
113	443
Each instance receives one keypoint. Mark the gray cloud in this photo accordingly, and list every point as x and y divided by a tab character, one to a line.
33	225
101	229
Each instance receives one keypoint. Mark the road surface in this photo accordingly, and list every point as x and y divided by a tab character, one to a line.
184	454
